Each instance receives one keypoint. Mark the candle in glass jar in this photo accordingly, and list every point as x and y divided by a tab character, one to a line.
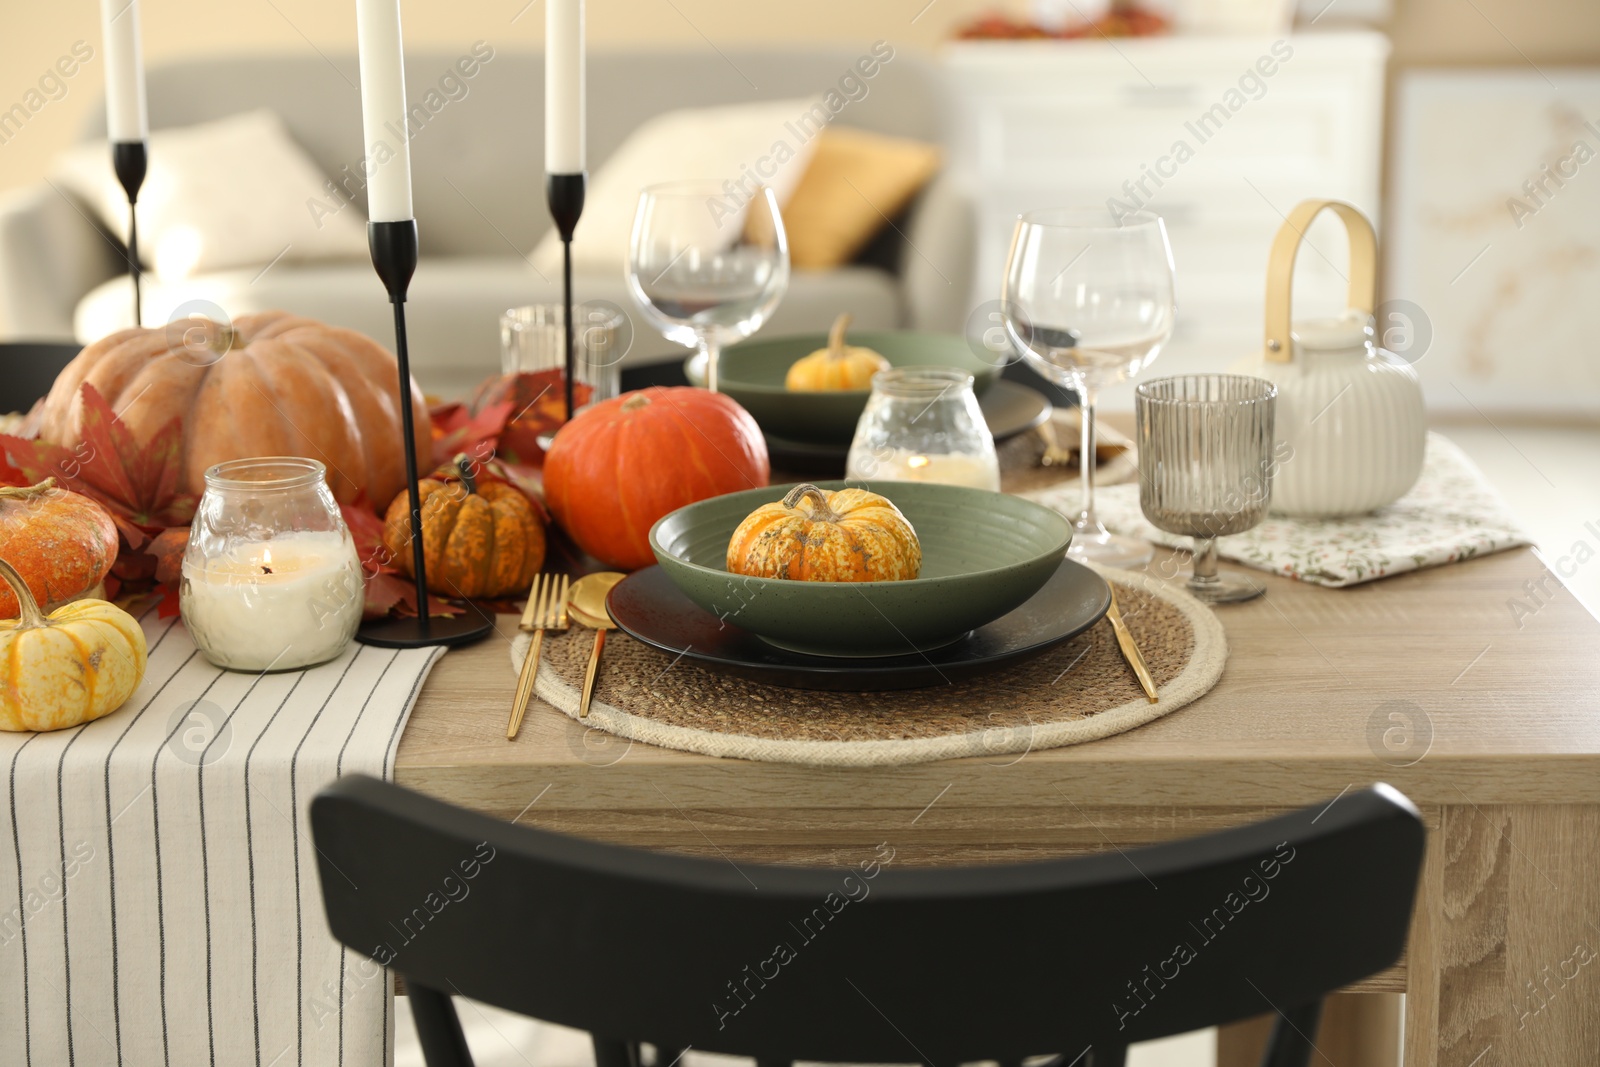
291	601
904	465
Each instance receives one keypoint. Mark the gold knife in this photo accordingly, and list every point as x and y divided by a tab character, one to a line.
1130	651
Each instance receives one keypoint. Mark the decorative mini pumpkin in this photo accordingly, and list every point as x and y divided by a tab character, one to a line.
62	543
271	384
837	367
81	662
816	536
624	463
479	538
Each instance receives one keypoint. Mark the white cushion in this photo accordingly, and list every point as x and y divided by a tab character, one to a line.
719	143
237	192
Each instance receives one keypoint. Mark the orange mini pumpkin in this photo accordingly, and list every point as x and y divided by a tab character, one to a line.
61	543
479	538
816	536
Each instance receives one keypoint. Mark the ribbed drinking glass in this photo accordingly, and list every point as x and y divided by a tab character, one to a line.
1205	466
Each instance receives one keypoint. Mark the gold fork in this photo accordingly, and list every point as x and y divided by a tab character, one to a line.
546	610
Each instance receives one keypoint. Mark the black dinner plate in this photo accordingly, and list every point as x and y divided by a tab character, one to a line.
649	607
1008	407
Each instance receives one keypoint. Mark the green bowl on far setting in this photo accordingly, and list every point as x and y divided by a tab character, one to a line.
752	373
983	554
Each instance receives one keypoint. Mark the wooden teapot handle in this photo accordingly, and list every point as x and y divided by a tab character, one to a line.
1280	269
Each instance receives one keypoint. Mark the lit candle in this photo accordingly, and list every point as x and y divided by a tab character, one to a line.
291	601
563	87
126	120
902	465
383	110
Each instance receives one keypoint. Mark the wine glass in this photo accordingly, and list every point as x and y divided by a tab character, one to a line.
1088	302
707	268
1205	466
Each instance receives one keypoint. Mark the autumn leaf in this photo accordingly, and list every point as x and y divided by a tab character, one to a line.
168	547
137	484
457	431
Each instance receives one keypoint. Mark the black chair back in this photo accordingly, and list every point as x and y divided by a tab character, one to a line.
874	962
29	368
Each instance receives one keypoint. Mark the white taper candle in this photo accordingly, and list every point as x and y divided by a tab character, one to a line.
383	110
126	120
563	87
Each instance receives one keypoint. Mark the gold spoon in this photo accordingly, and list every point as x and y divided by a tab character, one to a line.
588	603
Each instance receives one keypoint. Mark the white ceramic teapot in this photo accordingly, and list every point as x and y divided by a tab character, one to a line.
1350	412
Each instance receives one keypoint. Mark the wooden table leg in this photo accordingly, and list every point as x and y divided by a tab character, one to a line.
1240	1044
1504	963
1358	1030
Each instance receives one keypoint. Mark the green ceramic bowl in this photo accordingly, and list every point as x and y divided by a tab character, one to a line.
752	373
983	554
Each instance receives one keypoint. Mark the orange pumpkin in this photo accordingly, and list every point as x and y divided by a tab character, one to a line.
816	536
62	543
624	463
272	384
479	538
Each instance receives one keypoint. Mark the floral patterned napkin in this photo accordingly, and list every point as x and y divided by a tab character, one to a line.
1451	514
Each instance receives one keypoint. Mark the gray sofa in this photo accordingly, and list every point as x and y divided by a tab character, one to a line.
478	181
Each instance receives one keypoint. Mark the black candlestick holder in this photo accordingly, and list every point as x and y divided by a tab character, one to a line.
564	193
131	160
394	257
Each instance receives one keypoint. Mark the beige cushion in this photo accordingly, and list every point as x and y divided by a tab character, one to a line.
856	182
719	143
236	192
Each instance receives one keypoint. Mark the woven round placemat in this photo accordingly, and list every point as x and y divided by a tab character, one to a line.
1079	691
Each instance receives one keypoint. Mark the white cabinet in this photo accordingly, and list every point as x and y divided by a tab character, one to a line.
1220	136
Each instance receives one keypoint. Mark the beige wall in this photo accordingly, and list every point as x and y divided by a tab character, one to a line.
36	32
1499	32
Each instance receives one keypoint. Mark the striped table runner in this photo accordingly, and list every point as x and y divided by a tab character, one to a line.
159	899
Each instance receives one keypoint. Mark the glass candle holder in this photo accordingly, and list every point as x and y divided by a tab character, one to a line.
533	362
533	340
271	579
923	424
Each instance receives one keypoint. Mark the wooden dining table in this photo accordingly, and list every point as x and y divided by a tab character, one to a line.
1473	688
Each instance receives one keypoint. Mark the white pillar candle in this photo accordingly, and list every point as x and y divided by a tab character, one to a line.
383	110
291	601
563	87
903	465
126	120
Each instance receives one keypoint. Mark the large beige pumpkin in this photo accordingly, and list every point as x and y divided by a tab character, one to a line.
273	384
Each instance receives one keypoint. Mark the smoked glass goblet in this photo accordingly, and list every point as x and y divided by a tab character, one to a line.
1206	465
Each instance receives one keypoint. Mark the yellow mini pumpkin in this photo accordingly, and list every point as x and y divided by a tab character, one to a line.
816	536
81	662
835	368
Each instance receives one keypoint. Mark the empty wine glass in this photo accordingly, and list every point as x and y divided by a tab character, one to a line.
1206	465
1088	302
706	268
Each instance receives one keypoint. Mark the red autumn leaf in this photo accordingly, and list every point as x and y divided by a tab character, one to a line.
462	432
391	593
137	484
168	547
366	528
